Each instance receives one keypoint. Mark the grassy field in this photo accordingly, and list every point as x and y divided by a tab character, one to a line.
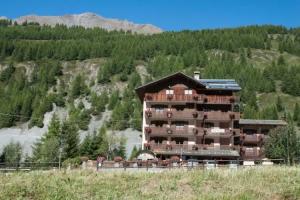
252	183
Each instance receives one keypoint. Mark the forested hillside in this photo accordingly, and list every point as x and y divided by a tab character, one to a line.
35	70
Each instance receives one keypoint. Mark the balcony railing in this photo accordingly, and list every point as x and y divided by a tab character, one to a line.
218	132
188	131
173	130
188	147
202	98
218	99
252	152
252	139
173	97
221	116
174	114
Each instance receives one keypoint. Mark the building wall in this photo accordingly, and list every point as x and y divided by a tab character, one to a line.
182	116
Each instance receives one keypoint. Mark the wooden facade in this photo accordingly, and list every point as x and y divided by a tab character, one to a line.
188	118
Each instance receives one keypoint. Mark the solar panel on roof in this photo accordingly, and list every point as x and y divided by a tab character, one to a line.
220	84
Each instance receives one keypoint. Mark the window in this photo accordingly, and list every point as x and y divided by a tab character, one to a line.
188	92
169	91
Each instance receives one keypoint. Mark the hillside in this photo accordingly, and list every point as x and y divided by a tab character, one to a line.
88	76
252	183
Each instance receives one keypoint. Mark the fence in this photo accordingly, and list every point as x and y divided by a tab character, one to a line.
28	166
151	165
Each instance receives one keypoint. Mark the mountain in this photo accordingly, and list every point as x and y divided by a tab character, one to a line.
91	20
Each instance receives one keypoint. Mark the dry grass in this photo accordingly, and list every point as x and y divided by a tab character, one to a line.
251	183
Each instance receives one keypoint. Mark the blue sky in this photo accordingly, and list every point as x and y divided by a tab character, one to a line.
168	14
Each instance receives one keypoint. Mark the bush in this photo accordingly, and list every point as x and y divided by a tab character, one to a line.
72	162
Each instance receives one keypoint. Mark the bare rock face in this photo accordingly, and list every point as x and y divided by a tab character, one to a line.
91	20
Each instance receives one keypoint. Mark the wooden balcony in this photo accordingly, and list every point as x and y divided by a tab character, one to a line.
252	153
196	98
173	114
221	116
173	130
218	99
252	139
152	97
213	133
172	146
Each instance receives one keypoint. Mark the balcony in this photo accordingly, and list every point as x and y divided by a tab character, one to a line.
192	149
218	99
186	114
219	132
196	98
173	130
252	153
252	139
221	116
150	97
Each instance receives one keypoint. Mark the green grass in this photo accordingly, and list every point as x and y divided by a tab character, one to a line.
251	183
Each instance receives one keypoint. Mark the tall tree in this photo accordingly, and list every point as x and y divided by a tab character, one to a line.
70	139
296	115
12	153
47	149
279	104
283	143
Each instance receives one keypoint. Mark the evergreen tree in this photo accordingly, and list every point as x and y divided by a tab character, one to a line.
12	153
283	143
104	73
78	87
269	112
70	138
249	53
281	61
7	73
279	104
296	115
48	147
249	112
113	100
134	153
85	146
121	149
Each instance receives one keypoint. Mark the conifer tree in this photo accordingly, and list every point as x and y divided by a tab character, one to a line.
296	115
85	146
113	100
134	153
11	153
283	143
48	147
70	139
279	104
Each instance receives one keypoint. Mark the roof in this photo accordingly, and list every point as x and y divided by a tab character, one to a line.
211	84
176	76
262	122
225	84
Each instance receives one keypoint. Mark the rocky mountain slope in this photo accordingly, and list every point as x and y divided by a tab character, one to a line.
90	20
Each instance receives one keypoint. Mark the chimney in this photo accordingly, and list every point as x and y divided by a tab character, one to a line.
197	75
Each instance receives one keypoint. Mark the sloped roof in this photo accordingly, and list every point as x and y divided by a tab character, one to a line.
210	84
179	75
262	122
